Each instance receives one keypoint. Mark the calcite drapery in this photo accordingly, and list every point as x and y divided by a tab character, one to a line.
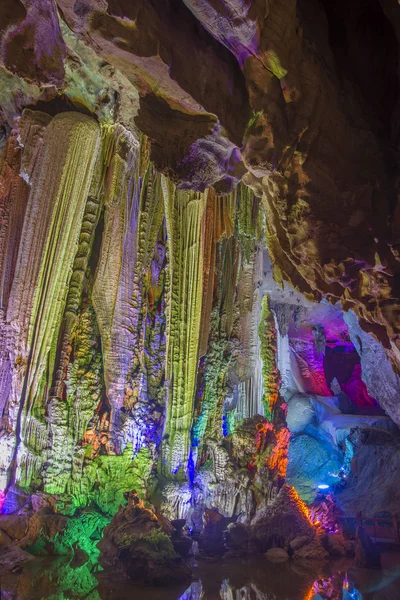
49	241
184	217
113	279
13	198
127	292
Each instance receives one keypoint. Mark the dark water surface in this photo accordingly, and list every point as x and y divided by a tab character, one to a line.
258	579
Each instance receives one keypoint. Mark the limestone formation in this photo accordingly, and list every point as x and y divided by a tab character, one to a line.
199	278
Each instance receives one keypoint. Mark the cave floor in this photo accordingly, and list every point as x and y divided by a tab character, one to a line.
57	578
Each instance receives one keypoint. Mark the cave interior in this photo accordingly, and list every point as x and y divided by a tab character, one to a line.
199	278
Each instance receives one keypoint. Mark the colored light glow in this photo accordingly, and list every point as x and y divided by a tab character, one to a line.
311	593
301	505
2	500
323	486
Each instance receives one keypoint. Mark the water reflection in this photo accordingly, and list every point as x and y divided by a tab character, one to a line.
58	579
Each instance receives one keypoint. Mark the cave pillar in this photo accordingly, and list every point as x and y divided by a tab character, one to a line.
184	218
276	431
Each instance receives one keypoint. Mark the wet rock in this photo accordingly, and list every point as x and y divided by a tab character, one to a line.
237	536
178	524
181	542
80	556
14	526
312	551
182	545
17	500
282	523
12	558
138	543
277	555
367	553
382	383
371	484
337	545
5	539
44	526
42	500
298	543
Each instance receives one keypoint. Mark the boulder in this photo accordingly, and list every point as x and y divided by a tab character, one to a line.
277	555
279	522
311	462
138	543
337	545
283	523
299	542
314	550
181	542
300	413
237	537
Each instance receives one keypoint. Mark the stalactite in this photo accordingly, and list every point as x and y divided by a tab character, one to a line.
86	237
235	319
108	346
113	284
13	198
130	270
208	420
31	129
49	243
209	255
119	211
250	220
249	365
217	222
184	212
144	396
22	153
222	345
249	306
